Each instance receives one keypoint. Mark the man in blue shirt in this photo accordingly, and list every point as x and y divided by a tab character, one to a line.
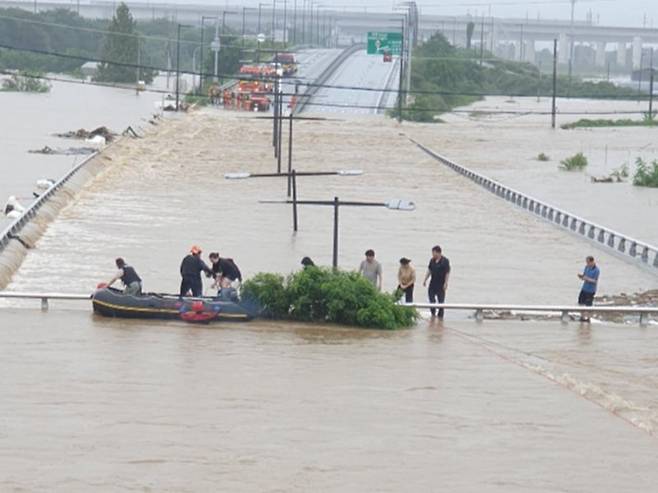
590	277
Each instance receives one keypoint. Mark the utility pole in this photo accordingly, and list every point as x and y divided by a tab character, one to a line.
273	22
294	22
651	88
304	22
400	93
482	42
178	66
244	15
260	12
285	22
310	21
571	41
554	107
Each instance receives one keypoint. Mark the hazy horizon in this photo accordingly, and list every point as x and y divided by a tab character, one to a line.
637	13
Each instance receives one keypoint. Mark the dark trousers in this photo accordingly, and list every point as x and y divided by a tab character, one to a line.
191	284
408	293
436	295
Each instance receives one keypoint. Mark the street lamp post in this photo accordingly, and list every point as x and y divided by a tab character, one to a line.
178	64
336	203
201	69
292	180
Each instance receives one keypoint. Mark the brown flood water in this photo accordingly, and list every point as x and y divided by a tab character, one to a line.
504	406
122	406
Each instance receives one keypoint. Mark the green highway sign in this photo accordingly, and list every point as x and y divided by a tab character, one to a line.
380	42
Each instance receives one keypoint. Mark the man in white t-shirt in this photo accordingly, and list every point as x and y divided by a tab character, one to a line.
371	269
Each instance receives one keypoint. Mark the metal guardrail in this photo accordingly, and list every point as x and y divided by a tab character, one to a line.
305	98
630	248
13	230
389	83
45	297
643	311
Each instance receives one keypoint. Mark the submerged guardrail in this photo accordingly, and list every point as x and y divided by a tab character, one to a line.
45	297
630	248
643	311
12	232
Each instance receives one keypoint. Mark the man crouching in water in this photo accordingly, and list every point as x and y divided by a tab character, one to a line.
129	278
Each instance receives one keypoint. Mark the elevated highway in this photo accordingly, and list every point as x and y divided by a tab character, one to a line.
498	33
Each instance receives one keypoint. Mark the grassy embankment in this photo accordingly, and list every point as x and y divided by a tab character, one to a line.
444	77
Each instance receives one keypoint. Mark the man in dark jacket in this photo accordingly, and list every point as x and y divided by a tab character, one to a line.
190	271
225	270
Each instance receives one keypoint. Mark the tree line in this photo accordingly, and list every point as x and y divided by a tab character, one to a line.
122	40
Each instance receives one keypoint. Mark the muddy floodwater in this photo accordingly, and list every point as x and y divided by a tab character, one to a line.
123	406
92	403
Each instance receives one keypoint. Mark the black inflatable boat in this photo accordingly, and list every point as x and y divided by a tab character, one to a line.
111	302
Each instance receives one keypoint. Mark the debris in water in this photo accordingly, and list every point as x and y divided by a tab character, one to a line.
71	151
104	132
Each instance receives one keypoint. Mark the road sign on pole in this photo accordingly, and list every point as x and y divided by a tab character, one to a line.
382	42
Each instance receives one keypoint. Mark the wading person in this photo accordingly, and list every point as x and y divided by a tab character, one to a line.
439	272
131	281
371	269
590	278
190	271
406	279
307	262
226	272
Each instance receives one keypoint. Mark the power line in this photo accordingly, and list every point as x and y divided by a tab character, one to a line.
345	106
633	97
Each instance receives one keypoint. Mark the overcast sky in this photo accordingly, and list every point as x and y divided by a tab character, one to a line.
608	12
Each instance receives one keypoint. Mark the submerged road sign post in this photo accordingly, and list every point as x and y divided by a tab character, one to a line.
384	42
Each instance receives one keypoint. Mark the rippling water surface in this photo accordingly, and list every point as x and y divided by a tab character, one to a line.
500	406
111	405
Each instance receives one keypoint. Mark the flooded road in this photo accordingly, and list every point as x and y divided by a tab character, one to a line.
504	406
29	121
122	406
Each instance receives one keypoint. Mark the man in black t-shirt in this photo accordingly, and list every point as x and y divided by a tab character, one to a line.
225	270
439	272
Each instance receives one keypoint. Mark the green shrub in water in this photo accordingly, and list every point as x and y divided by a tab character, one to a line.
268	290
543	157
328	296
645	175
576	162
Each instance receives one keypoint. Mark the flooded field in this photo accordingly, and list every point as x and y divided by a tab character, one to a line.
505	147
503	406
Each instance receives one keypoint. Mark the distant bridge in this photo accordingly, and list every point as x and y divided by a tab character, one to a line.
512	38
